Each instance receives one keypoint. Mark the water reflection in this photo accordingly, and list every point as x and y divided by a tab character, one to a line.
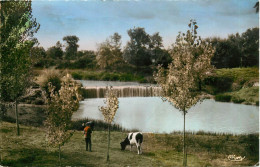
150	114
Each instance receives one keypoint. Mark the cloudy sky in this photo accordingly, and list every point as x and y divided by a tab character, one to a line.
93	21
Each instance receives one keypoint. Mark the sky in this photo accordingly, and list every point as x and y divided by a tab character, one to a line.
93	21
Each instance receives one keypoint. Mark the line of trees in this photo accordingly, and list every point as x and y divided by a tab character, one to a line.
237	50
144	50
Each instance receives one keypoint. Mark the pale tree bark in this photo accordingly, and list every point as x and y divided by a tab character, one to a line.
16	114
108	143
184	140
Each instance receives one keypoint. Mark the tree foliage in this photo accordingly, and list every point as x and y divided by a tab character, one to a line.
109	53
191	64
17	29
237	50
71	46
137	50
55	52
109	111
112	104
61	106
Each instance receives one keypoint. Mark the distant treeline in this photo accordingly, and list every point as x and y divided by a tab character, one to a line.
143	50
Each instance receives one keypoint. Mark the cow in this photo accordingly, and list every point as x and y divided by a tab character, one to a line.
131	139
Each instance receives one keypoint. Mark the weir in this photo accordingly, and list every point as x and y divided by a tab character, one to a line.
123	91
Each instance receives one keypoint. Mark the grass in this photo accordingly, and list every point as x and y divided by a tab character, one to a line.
106	76
235	85
240	75
31	149
245	96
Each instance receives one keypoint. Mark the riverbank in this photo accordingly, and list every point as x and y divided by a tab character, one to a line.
237	85
31	149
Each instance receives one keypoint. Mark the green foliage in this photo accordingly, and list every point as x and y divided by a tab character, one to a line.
107	76
227	80
220	83
237	50
17	25
37	54
137	51
50	76
100	125
55	52
72	46
223	98
109	53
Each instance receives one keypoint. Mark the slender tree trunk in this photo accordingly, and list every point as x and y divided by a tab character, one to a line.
16	114
59	155
184	146
108	143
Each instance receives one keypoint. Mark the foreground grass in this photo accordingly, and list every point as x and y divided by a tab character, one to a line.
31	149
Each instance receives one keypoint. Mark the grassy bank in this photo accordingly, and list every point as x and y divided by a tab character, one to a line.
106	76
238	85
31	149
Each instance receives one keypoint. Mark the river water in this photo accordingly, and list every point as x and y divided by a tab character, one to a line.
151	114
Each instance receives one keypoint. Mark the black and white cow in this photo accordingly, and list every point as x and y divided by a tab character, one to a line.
131	139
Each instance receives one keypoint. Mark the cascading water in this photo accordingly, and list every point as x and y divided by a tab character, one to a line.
124	91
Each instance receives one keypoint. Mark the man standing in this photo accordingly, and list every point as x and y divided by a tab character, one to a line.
87	135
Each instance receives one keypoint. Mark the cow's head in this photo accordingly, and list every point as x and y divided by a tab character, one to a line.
123	145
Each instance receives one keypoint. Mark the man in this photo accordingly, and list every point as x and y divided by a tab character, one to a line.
87	135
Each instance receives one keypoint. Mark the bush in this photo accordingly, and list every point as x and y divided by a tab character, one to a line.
220	83
236	99
223	98
53	76
77	75
98	125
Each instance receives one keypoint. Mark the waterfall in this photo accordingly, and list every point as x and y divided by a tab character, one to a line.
123	91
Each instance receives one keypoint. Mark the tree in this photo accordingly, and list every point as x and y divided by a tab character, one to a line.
72	46
250	47
55	52
137	50
37	54
109	53
257	7
237	50
158	54
60	108
109	111
180	84
17	29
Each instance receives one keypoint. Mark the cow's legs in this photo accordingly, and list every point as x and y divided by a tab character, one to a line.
131	147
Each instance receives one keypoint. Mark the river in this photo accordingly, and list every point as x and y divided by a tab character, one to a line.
151	114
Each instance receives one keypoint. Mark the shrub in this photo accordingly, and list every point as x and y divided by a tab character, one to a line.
236	99
220	83
53	76
77	75
223	98
99	125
